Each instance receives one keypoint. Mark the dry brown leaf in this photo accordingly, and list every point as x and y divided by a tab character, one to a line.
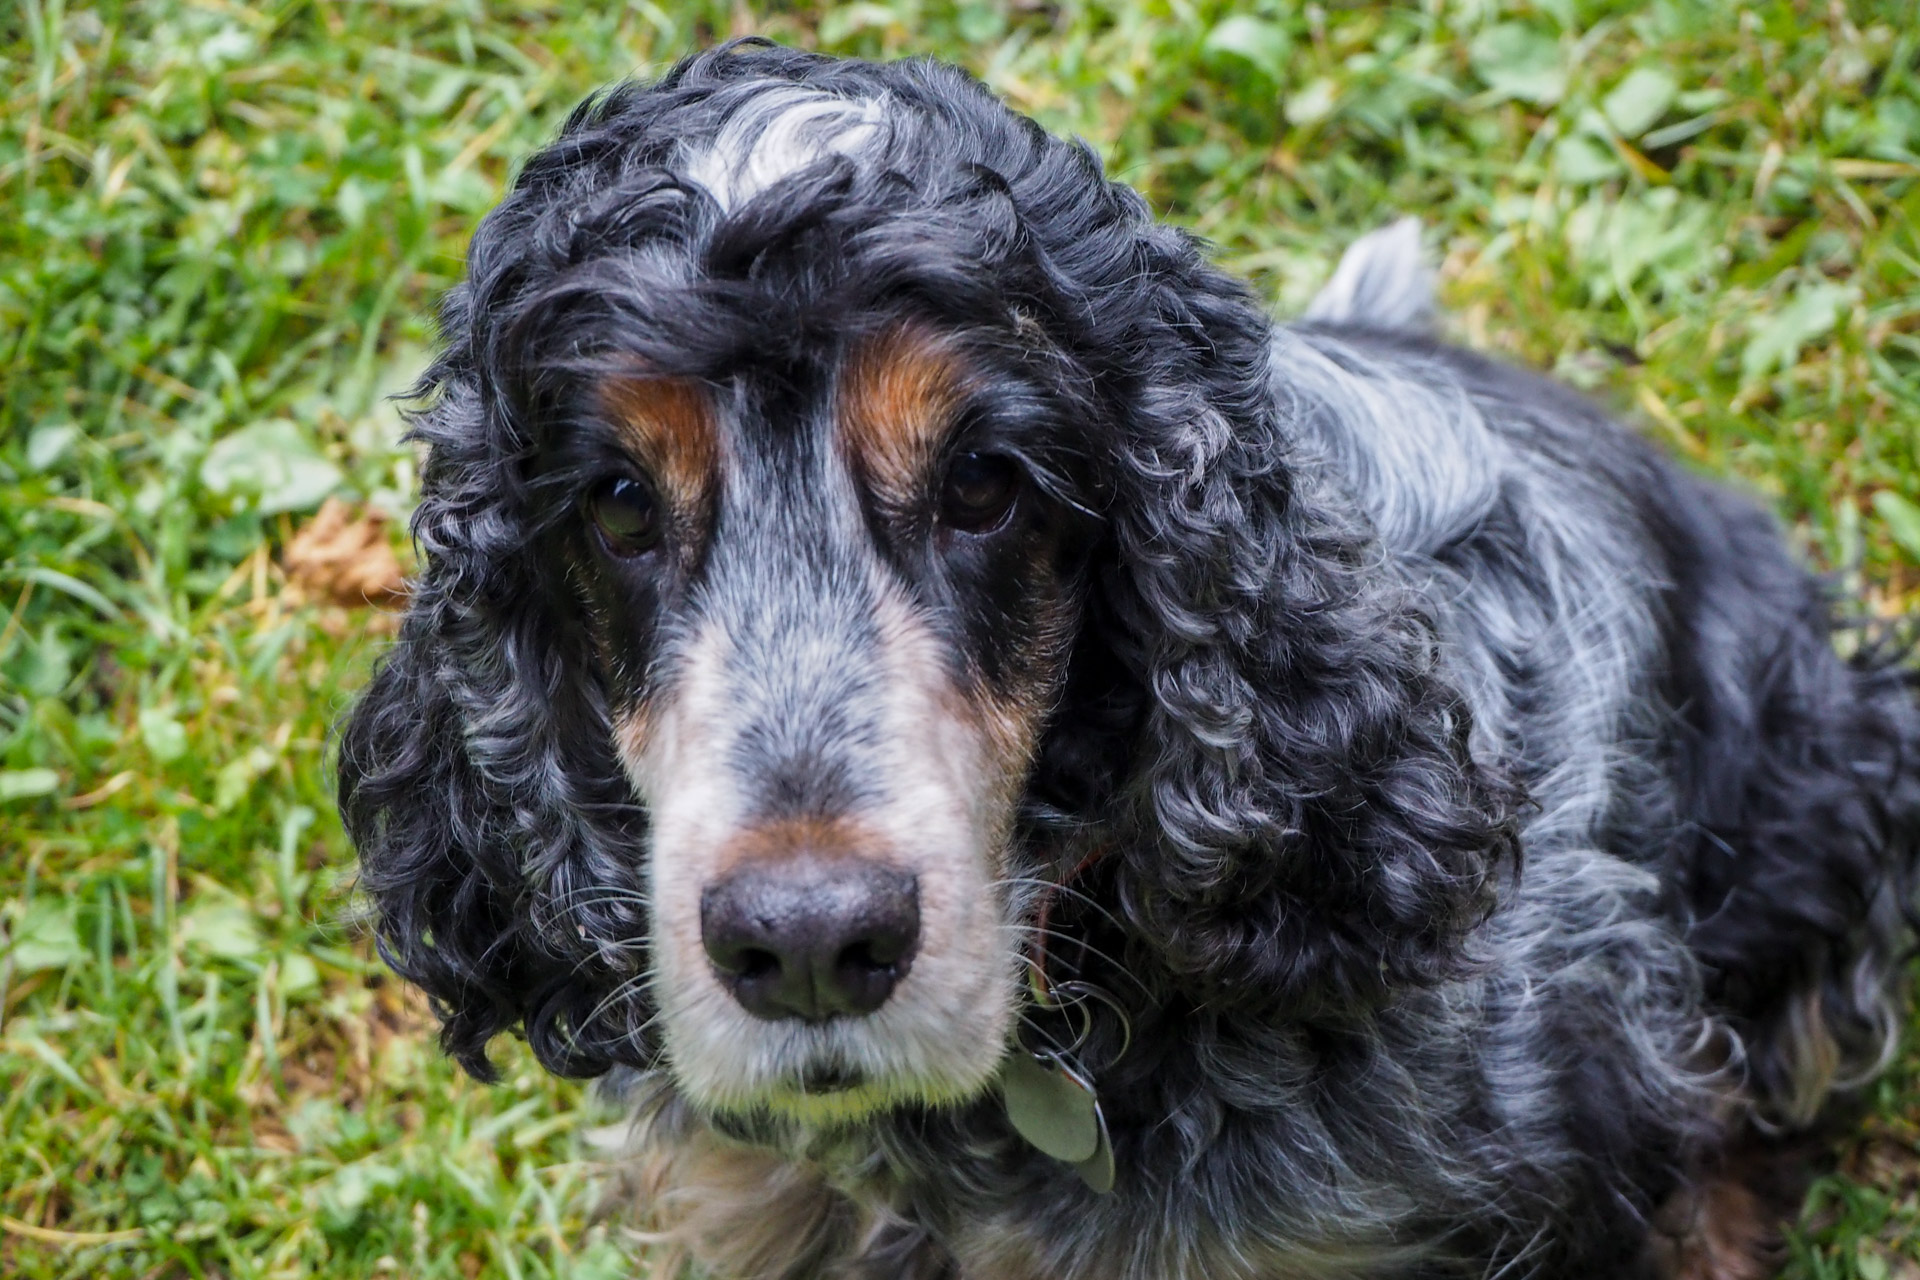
344	558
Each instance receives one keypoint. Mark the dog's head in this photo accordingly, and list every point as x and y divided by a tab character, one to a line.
842	509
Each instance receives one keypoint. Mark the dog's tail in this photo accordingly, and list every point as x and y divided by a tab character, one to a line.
1383	282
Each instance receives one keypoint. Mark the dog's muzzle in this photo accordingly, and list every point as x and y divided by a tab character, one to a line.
811	939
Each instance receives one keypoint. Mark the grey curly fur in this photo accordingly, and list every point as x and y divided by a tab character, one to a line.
1494	837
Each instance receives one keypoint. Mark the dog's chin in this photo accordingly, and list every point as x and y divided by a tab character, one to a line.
825	1094
834	1074
847	1099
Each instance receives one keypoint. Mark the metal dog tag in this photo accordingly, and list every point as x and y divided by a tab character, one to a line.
1051	1107
1097	1170
1055	1110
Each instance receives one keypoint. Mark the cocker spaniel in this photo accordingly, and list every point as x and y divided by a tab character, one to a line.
1025	770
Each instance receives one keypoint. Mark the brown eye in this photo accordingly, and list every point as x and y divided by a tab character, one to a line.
978	491
627	515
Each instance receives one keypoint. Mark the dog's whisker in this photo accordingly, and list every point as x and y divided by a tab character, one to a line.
1069	892
625	990
1026	931
596	895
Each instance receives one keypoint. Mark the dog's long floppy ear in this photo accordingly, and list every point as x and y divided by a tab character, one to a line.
1307	825
476	775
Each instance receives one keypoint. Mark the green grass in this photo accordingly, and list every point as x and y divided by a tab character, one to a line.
221	230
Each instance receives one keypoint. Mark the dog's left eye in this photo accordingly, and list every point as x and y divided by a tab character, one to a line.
978	491
627	514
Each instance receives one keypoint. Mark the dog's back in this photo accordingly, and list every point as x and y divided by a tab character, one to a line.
1722	802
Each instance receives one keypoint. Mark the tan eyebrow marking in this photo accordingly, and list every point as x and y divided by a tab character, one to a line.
671	426
896	398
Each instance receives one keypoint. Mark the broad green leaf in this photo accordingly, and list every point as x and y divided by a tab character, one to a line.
352	201
49	446
235	778
981	23
1902	518
348	1191
27	784
1639	100
165	737
1811	313
1516	61
842	21
1703	99
49	663
45	937
1581	158
1313	103
298	975
272	465
220	927
1261	44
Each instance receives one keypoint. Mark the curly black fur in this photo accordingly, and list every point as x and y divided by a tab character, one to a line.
1486	815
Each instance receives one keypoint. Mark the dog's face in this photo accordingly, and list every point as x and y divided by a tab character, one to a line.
844	510
833	602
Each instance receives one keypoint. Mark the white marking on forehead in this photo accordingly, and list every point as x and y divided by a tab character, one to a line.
782	131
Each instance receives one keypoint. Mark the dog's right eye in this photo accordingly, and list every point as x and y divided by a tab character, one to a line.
627	514
978	491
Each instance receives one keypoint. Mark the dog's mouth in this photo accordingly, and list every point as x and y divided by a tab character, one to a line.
827	1079
830	1093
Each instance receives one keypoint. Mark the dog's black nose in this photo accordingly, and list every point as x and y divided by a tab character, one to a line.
811	940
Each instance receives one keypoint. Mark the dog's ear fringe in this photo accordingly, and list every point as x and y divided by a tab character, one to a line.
1305	823
477	766
415	812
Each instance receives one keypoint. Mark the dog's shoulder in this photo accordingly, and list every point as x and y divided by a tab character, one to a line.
1428	438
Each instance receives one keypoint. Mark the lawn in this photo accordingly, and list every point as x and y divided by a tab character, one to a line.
222	229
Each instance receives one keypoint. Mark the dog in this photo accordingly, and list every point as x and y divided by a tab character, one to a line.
1020	768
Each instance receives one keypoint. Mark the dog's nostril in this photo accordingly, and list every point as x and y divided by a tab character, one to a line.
809	939
884	948
755	963
860	956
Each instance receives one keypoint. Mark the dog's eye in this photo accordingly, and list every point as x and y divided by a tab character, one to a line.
627	515
978	491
